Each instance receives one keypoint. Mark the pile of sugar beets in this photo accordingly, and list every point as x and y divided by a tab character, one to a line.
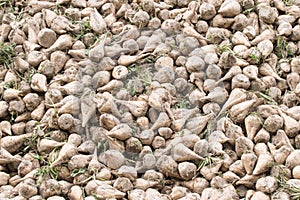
149	100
